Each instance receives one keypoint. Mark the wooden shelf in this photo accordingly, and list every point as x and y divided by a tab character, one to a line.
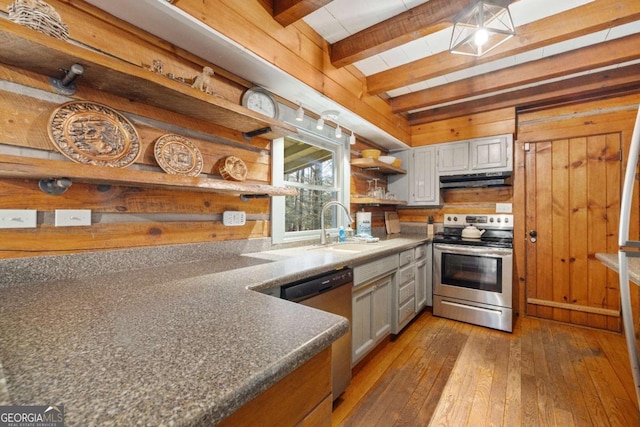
32	168
28	49
370	201
377	165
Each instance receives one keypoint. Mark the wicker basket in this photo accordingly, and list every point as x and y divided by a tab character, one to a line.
39	16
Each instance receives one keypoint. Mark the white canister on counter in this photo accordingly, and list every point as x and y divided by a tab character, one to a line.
363	223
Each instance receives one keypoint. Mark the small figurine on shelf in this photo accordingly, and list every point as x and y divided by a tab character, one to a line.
203	81
157	67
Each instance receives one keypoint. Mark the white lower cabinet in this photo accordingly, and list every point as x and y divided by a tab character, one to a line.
387	294
404	306
371	304
424	279
371	316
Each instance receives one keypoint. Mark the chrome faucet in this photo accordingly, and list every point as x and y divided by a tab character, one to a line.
323	236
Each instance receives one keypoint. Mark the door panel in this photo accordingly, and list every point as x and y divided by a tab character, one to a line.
572	203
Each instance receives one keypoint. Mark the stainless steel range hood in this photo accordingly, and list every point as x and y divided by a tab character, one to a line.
477	180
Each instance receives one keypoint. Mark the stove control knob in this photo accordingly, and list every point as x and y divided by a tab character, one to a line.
455	219
506	220
499	220
490	219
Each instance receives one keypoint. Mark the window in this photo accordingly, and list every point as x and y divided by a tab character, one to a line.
314	166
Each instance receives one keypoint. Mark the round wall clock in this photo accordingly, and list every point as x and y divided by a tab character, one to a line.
261	101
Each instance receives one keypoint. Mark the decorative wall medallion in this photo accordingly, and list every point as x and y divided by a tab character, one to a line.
233	168
177	155
94	134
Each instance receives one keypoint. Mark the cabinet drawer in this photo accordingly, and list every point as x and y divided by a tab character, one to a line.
406	257
363	274
406	291
420	252
406	311
406	274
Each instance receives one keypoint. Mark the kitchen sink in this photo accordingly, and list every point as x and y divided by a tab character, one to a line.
349	247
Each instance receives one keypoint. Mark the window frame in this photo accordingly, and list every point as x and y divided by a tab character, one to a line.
341	186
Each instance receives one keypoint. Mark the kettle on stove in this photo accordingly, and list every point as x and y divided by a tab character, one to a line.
471	232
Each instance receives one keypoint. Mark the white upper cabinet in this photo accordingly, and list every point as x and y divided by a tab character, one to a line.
492	154
423	177
453	158
420	185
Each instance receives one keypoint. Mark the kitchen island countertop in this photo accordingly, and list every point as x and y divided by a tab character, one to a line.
181	344
611	261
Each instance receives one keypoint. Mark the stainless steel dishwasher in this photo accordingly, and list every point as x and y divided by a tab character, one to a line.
329	292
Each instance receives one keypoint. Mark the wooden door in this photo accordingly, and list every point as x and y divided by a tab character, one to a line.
572	207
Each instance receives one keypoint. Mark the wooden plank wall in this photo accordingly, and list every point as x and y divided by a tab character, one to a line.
591	126
124	217
490	123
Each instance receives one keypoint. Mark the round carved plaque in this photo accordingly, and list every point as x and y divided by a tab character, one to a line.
233	168
177	155
94	134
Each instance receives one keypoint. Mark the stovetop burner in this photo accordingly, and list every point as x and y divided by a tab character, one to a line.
498	230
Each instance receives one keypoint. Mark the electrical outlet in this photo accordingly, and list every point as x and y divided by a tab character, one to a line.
18	218
72	217
234	218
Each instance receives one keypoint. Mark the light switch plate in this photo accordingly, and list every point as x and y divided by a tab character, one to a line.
234	218
72	217
503	208
18	218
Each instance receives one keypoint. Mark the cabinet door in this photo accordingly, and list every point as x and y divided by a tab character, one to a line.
429	275
423	177
399	184
362	323
489	154
453	158
421	285
382	308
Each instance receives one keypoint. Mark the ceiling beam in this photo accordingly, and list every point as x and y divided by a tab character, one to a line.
587	58
286	12
594	16
413	24
603	84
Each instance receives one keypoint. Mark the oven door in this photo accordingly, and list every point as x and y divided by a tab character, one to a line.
473	273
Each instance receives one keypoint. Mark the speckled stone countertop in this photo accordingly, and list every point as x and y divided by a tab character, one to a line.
182	344
611	261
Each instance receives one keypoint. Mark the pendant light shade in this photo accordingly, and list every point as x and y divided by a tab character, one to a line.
338	133
320	124
483	26
300	114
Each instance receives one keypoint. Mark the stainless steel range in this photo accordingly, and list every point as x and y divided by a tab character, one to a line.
472	271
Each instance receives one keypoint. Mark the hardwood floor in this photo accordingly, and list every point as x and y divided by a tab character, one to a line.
445	373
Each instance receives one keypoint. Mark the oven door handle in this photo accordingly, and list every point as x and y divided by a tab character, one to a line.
466	250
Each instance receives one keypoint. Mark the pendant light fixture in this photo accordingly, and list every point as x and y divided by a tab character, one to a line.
331	115
352	138
299	113
481	27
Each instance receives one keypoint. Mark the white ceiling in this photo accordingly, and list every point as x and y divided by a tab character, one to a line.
342	18
335	21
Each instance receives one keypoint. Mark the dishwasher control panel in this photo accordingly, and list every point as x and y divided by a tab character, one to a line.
309	287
